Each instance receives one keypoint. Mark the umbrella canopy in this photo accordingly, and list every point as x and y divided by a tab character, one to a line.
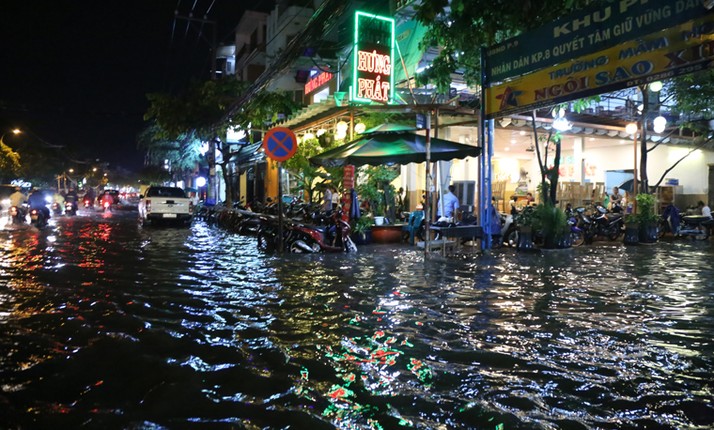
400	147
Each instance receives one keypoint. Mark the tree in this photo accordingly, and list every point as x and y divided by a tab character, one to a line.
181	155
460	28
692	98
301	168
9	162
201	112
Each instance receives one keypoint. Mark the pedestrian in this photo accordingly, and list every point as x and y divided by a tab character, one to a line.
335	197
327	199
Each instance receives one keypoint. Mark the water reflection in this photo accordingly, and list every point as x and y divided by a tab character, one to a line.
110	325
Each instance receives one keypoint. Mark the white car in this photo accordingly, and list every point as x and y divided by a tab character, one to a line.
164	204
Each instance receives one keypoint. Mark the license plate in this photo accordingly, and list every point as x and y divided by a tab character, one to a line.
169	215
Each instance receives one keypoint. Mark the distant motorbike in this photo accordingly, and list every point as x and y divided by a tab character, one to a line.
38	218
56	208
106	206
70	208
87	203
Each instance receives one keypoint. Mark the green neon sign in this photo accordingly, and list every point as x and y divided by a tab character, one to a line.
373	59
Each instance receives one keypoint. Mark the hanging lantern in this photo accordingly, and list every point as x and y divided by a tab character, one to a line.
360	128
631	128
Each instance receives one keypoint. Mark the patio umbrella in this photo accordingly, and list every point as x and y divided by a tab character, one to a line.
393	147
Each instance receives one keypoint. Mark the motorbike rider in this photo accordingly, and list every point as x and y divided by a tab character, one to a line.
72	197
107	198
17	198
704	209
36	200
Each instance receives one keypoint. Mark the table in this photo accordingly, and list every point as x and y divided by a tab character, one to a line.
458	232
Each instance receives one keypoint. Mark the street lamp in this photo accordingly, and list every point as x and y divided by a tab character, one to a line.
14	131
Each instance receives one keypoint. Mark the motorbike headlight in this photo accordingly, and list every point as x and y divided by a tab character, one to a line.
48	199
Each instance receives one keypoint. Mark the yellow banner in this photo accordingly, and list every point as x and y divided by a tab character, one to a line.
676	51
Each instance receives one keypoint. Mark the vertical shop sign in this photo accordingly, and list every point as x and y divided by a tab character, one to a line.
373	72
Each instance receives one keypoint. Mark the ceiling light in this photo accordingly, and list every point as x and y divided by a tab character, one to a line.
659	124
656	86
631	128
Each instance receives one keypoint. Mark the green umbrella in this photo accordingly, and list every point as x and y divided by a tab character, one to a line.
399	147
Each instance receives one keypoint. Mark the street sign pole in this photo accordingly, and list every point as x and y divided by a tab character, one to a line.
280	206
280	144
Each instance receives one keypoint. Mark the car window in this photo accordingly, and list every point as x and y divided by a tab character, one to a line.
165	192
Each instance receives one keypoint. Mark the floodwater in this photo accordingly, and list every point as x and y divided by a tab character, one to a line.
108	325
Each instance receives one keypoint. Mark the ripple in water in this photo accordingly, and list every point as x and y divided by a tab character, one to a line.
184	328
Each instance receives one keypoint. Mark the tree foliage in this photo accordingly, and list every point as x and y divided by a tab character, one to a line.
200	114
9	162
462	27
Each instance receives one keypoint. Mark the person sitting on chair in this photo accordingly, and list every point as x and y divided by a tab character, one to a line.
451	204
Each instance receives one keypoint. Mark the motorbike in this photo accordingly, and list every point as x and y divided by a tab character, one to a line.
696	226
70	208
577	233
106	206
87	202
303	238
604	223
56	208
38	217
17	215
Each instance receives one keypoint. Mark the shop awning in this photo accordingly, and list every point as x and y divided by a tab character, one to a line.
393	147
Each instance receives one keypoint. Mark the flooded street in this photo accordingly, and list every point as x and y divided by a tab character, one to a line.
108	325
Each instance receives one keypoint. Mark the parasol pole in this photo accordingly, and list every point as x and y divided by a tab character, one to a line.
427	199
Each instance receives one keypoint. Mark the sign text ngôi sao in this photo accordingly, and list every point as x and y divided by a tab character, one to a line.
378	64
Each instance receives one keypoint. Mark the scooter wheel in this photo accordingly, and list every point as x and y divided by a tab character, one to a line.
577	237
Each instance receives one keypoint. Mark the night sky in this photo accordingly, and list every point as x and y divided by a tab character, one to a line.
76	73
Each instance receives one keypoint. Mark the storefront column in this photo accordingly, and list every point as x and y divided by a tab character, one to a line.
578	161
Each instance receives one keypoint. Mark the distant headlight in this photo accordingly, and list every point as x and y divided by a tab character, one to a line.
48	199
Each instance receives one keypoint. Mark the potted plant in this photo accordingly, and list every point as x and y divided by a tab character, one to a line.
525	221
552	223
646	218
362	230
378	190
632	230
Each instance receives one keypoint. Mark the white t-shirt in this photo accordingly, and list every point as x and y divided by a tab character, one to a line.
706	211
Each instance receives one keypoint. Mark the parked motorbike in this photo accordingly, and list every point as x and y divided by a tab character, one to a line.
303	238
605	224
577	233
696	226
